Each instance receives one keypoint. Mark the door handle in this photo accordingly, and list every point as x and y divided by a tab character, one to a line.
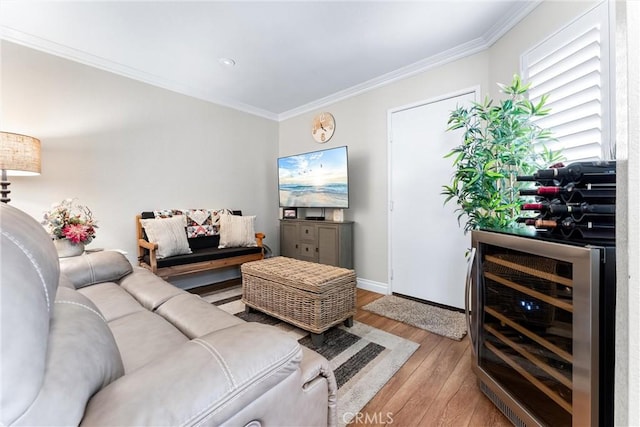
467	303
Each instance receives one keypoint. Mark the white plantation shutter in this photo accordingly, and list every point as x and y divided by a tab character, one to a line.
572	67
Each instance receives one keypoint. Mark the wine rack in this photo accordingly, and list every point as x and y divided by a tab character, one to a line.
539	328
576	202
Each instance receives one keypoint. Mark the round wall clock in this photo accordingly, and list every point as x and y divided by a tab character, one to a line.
323	127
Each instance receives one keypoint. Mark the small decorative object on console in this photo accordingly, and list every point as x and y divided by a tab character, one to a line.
290	213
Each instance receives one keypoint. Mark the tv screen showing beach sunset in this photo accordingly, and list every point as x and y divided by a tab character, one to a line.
314	180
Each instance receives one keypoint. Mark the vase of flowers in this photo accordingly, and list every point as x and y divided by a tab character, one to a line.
71	227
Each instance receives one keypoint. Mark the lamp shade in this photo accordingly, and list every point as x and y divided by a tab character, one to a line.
19	154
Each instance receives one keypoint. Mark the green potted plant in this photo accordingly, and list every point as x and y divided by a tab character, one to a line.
498	144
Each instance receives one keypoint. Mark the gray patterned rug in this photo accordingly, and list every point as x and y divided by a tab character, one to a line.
363	358
448	323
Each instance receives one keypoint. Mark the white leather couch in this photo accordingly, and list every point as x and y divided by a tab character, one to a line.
105	343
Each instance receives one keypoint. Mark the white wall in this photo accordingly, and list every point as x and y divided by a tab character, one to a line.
121	147
361	124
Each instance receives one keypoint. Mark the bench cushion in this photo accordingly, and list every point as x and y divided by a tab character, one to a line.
204	254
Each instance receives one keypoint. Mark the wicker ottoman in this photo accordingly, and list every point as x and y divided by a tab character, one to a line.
311	296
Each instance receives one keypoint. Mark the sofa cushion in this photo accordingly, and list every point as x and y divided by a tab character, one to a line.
204	254
169	234
237	231
112	301
228	370
96	267
194	316
143	337
148	289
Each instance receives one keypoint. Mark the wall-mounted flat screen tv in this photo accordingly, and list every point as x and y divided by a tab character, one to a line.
319	179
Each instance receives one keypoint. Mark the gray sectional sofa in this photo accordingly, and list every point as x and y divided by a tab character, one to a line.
92	340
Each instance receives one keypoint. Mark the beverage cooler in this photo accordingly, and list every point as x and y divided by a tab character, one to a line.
541	322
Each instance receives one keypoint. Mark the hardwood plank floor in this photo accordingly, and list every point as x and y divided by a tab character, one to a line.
436	386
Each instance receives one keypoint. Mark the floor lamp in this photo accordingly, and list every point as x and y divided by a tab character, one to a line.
19	156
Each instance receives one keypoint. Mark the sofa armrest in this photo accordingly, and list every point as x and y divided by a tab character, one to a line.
96	267
205	381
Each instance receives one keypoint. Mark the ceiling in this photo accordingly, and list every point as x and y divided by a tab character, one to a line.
290	56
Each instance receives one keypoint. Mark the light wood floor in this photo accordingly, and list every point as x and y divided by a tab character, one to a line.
436	386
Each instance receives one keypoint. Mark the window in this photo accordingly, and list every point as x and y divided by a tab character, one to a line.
572	67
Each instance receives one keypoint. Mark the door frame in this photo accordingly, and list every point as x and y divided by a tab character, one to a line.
476	91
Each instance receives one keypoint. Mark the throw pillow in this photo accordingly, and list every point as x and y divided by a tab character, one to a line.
169	234
237	231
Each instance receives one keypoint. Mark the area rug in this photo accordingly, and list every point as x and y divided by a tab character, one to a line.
363	358
448	323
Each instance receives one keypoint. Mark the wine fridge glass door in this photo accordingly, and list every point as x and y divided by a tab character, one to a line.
534	334
527	337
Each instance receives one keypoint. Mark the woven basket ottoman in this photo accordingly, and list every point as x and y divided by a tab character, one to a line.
311	296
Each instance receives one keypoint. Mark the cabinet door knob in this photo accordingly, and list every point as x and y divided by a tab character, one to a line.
296	246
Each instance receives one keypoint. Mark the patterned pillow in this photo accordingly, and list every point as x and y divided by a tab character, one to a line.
169	234
237	231
199	222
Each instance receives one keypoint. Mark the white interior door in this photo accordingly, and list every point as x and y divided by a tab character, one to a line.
427	246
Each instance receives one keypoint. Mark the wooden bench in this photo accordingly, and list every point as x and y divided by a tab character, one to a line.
205	254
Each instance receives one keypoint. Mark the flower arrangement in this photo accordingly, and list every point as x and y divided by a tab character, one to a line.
69	220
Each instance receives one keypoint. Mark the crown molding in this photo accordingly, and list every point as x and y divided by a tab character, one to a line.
500	28
47	46
515	15
518	12
461	51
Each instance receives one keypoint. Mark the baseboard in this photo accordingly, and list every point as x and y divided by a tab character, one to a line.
370	285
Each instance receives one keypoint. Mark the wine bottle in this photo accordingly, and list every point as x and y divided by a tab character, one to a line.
574	209
567	224
587	227
572	193
588	172
587	230
539	222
